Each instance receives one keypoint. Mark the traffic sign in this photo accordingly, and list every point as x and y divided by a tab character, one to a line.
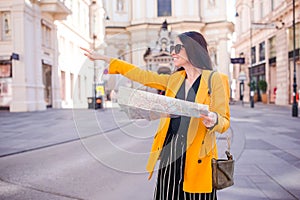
237	60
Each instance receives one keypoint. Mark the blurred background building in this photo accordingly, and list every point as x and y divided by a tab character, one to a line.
42	66
40	60
264	38
141	32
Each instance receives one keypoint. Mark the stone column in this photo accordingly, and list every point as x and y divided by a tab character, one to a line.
282	94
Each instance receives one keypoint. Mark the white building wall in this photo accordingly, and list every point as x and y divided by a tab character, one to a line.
150	9
26	89
61	54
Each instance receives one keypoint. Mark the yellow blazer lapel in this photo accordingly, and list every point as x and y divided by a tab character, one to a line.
202	93
201	97
175	83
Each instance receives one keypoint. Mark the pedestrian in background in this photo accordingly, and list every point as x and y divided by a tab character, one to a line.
184	145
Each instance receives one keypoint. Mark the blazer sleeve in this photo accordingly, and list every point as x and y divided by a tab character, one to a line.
220	95
134	73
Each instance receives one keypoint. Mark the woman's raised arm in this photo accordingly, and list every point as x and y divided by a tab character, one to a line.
92	55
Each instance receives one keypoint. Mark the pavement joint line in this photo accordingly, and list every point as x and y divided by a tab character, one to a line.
270	177
64	142
238	154
40	190
257	186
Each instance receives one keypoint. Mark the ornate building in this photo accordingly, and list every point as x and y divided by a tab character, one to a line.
134	27
265	28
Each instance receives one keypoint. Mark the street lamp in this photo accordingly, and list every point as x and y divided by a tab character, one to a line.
93	16
252	83
95	74
295	104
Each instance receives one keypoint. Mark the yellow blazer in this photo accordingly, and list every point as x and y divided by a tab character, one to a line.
201	141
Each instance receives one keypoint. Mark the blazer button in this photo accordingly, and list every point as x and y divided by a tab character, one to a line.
199	161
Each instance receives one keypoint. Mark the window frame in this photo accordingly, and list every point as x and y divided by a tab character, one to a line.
161	11
5	36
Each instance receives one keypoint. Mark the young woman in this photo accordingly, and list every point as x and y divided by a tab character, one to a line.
185	146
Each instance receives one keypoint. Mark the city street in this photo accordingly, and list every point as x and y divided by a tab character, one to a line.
100	154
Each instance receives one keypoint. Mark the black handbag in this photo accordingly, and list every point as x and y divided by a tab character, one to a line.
222	169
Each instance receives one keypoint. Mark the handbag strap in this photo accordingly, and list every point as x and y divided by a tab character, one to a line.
229	156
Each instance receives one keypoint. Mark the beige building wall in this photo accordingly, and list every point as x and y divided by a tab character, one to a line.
51	70
270	19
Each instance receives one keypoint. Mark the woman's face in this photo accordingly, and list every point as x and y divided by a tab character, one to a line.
179	55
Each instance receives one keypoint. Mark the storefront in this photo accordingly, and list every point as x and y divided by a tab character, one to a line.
5	83
258	73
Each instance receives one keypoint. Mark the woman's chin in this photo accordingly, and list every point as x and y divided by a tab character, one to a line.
177	65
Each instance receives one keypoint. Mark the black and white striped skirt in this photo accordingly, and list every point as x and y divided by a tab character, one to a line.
169	184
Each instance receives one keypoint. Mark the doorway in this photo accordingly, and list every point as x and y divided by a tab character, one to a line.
47	81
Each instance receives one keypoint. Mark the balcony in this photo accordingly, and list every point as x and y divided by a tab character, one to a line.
56	8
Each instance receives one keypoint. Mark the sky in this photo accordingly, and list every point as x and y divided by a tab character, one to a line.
231	10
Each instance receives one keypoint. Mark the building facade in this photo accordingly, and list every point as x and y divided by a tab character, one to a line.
83	28
135	27
264	38
40	60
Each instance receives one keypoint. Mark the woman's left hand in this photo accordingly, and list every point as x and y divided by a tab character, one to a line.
209	120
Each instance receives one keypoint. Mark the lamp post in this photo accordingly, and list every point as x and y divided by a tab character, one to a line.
295	104
250	68
95	75
93	31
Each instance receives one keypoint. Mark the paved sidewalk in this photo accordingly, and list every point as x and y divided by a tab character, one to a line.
267	152
265	143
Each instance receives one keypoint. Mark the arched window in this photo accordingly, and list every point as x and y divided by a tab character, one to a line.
164	8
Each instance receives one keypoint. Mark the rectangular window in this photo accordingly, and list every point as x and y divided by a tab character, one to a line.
120	6
79	87
46	35
253	55
72	84
5	25
262	51
63	85
272	5
164	8
5	69
4	88
85	86
272	45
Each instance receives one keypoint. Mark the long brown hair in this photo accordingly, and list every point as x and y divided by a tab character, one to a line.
196	49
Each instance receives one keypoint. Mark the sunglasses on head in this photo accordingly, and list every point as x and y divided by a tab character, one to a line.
177	48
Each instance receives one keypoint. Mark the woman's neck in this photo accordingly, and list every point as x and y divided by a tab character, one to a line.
192	74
